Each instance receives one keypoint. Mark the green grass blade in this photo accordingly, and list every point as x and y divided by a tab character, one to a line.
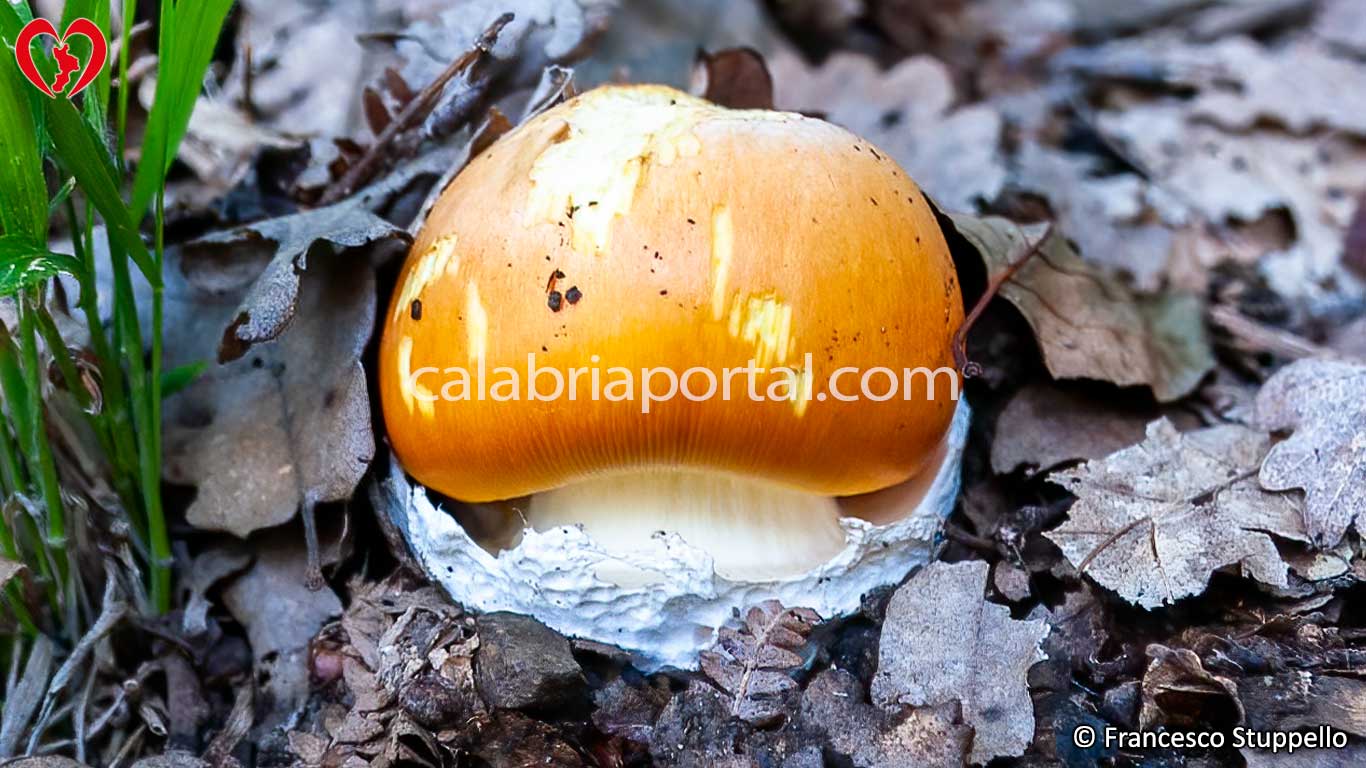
121	108
35	441
21	166
12	384
85	156
189	32
59	199
95	100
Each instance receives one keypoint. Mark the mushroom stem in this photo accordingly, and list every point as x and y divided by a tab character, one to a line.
753	530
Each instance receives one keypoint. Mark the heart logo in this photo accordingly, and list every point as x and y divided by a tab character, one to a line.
67	63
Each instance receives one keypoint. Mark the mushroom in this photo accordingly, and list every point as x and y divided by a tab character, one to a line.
636	229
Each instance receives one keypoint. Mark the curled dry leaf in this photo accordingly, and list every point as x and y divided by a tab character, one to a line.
1154	521
208	568
910	111
271	303
8	570
1089	325
943	642
737	78
1178	690
1324	402
289	424
753	663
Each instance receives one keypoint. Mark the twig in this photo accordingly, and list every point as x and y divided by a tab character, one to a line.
1253	336
248	105
113	610
412	113
238	724
994	285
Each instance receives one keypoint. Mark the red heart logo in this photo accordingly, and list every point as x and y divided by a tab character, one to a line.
67	64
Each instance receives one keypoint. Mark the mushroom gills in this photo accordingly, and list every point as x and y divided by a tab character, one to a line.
754	530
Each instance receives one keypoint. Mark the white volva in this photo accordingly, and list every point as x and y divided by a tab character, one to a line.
664	597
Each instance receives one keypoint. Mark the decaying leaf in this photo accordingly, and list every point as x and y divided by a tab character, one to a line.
407	665
1324	402
1043	426
930	737
1207	172
1342	23
1239	81
287	425
271	303
1303	699
628	711
1089	325
1154	521
1105	215
752	663
658	41
292	87
281	615
1350	757
943	642
542	32
210	567
911	111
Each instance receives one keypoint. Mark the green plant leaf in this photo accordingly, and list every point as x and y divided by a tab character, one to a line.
24	263
180	377
21	166
189	31
86	157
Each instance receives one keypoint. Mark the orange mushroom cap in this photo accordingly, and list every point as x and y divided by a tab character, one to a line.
639	227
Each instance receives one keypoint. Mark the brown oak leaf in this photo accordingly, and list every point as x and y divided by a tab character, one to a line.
943	642
1152	522
1088	324
1324	401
